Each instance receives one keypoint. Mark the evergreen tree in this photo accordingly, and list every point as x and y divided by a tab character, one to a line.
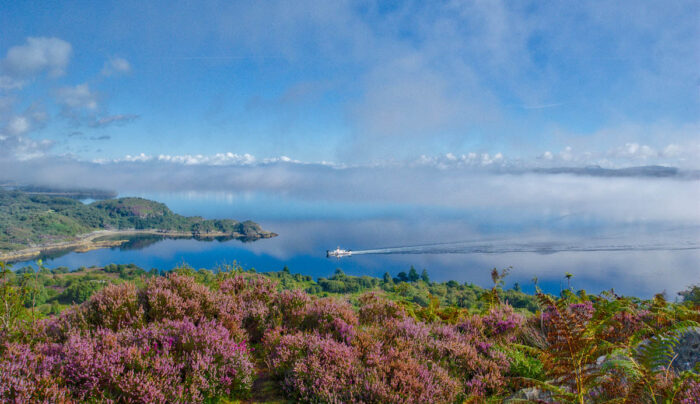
401	277
424	276
413	274
387	278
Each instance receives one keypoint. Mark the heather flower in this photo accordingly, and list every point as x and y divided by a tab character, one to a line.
292	307
375	309
28	375
689	391
178	296
173	361
471	327
502	322
58	328
252	296
622	325
333	317
114	307
398	377
315	368
585	309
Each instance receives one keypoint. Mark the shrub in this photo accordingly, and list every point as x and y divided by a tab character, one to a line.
314	368
375	309
253	296
173	361
332	317
28	375
114	307
176	297
292	306
397	377
502	322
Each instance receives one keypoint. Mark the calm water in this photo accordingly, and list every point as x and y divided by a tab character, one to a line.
645	259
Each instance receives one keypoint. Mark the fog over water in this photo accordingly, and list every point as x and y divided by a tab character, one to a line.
649	250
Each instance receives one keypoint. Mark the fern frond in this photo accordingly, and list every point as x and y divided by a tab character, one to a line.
658	351
628	366
526	348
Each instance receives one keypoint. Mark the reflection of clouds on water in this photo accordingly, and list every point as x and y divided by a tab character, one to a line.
634	272
632	268
305	234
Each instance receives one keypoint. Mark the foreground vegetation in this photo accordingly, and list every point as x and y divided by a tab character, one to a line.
221	336
28	220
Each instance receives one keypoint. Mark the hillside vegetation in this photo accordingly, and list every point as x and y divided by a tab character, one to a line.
28	220
233	335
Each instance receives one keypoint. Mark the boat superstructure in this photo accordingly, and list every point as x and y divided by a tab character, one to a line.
338	253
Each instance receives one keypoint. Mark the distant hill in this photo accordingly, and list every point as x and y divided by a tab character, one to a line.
74	193
597	171
29	220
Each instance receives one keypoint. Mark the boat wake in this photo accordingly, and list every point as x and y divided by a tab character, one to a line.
504	246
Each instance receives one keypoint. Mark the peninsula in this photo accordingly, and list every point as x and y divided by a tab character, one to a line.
31	224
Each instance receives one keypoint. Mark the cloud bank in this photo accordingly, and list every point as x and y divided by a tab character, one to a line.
635	196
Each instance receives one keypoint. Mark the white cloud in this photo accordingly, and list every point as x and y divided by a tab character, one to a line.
33	118
218	159
24	148
78	97
115	66
37	55
18	125
547	156
9	83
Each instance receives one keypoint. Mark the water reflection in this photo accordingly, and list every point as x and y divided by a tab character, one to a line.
301	246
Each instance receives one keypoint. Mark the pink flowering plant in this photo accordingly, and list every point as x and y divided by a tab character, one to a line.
177	339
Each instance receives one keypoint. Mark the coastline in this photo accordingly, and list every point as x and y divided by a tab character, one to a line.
88	242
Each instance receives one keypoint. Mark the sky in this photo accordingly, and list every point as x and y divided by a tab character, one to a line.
544	109
527	119
487	83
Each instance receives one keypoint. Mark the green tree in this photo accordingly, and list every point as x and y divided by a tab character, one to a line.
12	297
413	274
79	292
401	277
424	276
387	278
691	295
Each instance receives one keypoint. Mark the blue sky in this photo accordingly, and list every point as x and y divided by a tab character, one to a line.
565	84
470	117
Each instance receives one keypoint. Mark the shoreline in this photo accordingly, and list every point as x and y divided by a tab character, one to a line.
87	242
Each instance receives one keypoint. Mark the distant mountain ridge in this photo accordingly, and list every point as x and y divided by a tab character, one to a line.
74	193
597	171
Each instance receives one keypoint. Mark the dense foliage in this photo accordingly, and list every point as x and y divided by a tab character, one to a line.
35	219
194	336
58	287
